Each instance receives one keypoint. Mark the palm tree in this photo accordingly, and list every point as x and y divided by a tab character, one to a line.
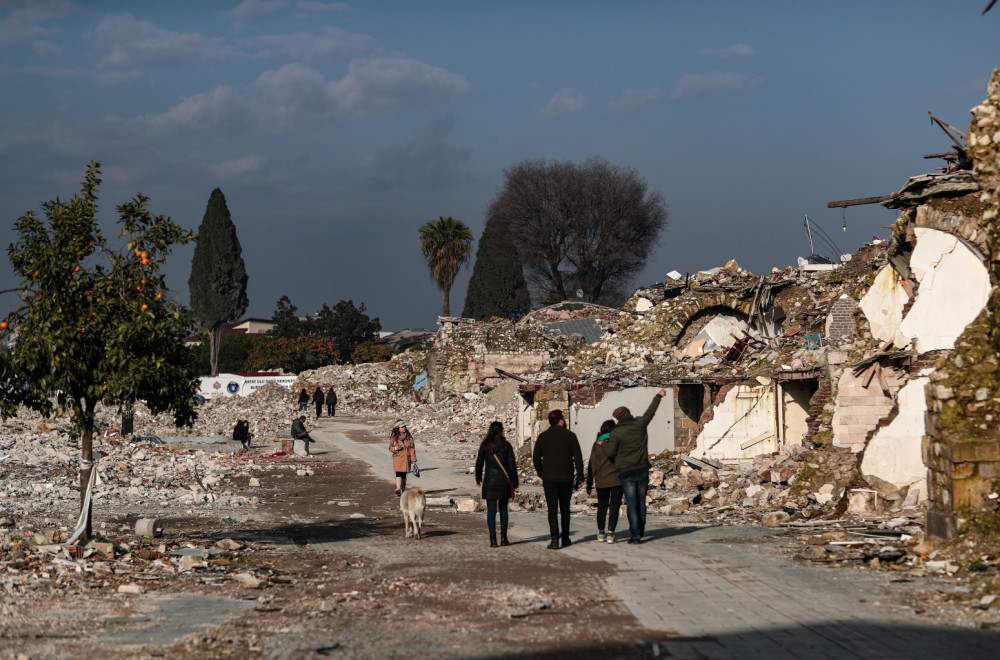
446	244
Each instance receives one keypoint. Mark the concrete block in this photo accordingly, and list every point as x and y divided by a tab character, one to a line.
300	448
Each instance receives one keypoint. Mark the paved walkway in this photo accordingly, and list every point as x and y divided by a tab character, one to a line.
716	592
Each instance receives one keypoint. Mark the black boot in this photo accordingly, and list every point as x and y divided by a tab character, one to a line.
493	541
554	543
566	541
503	539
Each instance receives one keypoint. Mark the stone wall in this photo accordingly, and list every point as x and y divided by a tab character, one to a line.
962	446
467	353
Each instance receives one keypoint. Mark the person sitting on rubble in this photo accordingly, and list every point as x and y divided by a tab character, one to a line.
404	453
299	432
241	432
303	399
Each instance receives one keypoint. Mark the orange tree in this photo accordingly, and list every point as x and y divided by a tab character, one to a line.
94	326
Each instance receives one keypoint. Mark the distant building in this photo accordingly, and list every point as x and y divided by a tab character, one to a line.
248	326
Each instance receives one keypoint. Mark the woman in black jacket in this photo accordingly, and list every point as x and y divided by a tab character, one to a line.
496	471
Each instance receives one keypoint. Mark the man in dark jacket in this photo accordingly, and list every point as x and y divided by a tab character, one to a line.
299	432
559	462
628	447
331	403
318	399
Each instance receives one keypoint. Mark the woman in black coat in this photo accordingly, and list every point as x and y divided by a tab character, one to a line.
496	471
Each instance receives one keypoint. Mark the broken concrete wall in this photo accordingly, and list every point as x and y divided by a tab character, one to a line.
466	353
894	453
858	409
962	447
742	425
883	304
953	288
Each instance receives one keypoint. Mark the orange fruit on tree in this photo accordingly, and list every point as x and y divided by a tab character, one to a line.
145	254
145	306
159	296
76	270
138	288
3	325
145	262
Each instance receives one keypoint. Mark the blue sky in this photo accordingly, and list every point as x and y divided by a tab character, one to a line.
336	129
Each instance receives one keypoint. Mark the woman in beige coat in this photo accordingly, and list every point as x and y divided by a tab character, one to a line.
404	453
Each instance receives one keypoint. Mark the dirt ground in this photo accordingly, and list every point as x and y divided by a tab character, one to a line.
348	584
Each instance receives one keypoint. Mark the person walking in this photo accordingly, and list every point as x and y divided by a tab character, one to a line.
404	453
559	462
318	399
601	472
241	432
299	432
331	402
496	472
628	446
303	399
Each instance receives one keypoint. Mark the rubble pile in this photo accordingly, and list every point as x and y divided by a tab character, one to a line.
39	468
37	559
650	345
379	388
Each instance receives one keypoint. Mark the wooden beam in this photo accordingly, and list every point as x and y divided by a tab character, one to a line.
857	202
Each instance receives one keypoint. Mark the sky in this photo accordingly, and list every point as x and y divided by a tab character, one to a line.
336	129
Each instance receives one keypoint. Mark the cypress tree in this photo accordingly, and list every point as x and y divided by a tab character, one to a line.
497	287
218	282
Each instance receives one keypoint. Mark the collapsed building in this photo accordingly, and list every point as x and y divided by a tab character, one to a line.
886	361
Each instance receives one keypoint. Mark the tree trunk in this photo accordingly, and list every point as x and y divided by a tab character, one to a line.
86	457
445	305
214	340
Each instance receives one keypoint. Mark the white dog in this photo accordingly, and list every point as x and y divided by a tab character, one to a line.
412	503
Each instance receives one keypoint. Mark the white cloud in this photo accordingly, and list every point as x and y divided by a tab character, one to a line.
131	41
633	99
296	95
25	20
699	85
330	42
736	50
565	102
46	48
238	170
251	9
316	7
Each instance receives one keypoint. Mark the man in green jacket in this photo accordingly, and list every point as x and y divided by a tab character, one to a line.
557	453
628	447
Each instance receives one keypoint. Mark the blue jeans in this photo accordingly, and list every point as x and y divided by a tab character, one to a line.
491	516
303	405
634	486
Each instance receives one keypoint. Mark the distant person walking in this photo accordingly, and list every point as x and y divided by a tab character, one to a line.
299	432
404	453
303	400
628	446
496	471
318	399
559	462
601	472
241	432
331	403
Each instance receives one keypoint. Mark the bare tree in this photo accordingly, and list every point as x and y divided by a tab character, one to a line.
588	227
